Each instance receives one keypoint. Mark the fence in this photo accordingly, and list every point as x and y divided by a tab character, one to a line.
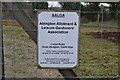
99	45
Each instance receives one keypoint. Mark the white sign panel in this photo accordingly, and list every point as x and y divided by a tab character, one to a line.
58	39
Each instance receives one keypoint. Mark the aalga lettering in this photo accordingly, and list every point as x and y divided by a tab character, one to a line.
56	15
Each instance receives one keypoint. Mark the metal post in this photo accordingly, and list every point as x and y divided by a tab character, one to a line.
1	46
118	47
119	19
26	22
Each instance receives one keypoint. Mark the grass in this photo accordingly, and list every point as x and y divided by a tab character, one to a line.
15	42
10	56
97	29
21	71
15	32
104	58
105	24
93	61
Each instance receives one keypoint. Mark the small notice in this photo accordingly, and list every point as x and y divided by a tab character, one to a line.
58	39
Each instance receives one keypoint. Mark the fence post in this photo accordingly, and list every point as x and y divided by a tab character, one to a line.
118	47
26	22
98	19
1	46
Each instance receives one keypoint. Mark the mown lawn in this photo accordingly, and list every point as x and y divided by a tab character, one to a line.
98	57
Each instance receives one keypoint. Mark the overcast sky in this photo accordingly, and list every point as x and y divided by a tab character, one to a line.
53	4
56	4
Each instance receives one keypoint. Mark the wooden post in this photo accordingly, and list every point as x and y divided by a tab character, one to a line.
1	46
98	20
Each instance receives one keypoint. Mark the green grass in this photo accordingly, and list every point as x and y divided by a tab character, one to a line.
88	56
105	24
12	27
90	53
97	29
21	71
15	42
10	56
15	32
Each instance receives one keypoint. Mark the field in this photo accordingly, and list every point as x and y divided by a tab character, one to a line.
98	56
112	24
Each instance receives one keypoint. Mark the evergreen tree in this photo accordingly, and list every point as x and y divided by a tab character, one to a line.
40	5
114	9
70	5
91	10
91	7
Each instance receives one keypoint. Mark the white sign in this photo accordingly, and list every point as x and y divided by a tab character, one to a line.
58	39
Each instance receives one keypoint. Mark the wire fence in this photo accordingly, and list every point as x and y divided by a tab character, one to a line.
99	53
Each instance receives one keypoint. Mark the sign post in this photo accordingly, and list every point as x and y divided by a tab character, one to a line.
58	39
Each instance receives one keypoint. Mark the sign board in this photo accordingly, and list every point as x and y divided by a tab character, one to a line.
58	39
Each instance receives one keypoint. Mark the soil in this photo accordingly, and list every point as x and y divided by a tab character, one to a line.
112	36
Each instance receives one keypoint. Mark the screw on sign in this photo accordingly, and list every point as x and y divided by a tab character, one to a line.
58	39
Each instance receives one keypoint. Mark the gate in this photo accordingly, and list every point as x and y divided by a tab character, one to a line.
99	41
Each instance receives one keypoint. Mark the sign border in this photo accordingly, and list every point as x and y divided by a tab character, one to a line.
78	52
